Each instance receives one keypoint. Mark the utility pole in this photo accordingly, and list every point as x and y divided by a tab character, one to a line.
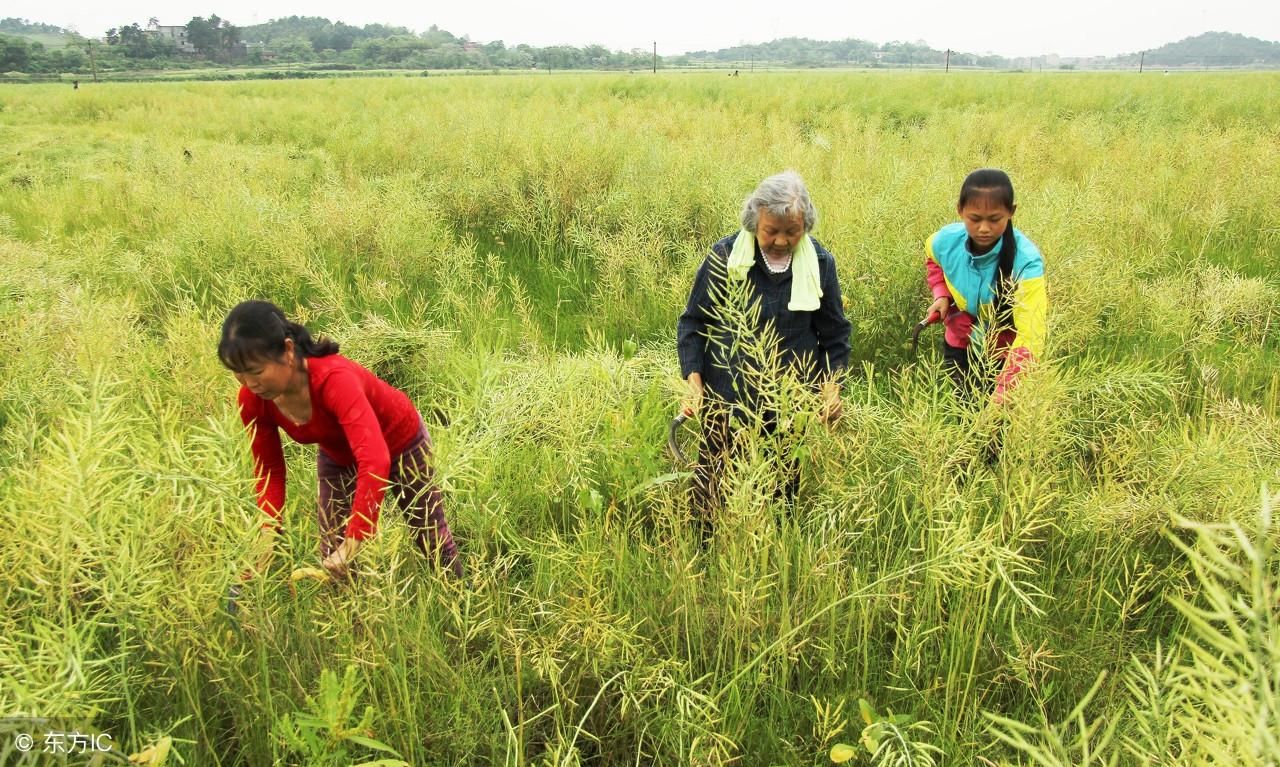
948	69
1141	59
655	57
88	46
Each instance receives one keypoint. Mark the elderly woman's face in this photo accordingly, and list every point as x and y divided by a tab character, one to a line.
779	235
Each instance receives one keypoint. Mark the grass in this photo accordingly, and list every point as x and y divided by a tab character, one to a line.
48	40
513	252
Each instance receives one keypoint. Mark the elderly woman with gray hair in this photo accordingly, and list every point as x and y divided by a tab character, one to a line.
792	279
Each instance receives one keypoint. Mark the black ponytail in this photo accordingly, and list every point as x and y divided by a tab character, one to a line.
995	185
256	330
1002	303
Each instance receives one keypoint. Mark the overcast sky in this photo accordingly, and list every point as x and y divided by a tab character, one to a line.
1072	28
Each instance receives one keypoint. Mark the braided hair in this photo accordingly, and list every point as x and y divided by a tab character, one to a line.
995	185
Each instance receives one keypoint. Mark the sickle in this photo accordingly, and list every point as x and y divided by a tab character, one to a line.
921	325
672	443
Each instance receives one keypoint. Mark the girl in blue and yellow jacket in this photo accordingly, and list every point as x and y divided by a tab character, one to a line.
987	280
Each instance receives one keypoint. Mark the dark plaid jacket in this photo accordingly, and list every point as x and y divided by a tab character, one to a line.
816	343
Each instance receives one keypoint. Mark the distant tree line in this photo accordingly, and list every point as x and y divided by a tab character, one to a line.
16	26
1211	49
296	39
324	44
213	36
803	52
315	39
18	54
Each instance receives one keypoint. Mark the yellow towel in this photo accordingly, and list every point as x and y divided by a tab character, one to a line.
806	286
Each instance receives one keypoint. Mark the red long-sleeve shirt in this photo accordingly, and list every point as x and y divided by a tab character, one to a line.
356	419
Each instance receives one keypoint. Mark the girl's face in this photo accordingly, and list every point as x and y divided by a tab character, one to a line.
779	235
270	378
985	219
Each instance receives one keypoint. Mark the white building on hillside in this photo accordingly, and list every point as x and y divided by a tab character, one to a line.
176	35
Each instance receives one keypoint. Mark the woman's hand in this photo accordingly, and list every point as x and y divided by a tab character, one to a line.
941	306
692	402
832	404
337	562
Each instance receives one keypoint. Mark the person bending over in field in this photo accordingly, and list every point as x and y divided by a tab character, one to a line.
371	437
792	279
987	280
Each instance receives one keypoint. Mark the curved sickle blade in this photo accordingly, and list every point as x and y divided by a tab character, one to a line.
673	444
921	325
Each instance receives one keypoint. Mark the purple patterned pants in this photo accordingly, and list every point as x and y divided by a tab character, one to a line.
415	491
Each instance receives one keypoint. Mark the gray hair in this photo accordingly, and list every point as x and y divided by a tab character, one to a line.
782	195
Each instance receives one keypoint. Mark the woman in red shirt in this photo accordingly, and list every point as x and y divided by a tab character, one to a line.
370	436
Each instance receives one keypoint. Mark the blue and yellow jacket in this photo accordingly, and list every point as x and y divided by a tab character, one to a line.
969	280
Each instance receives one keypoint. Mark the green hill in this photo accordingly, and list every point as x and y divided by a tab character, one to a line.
800	51
15	26
47	35
1212	49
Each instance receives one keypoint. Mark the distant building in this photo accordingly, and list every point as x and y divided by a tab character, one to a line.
175	35
1084	62
260	49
